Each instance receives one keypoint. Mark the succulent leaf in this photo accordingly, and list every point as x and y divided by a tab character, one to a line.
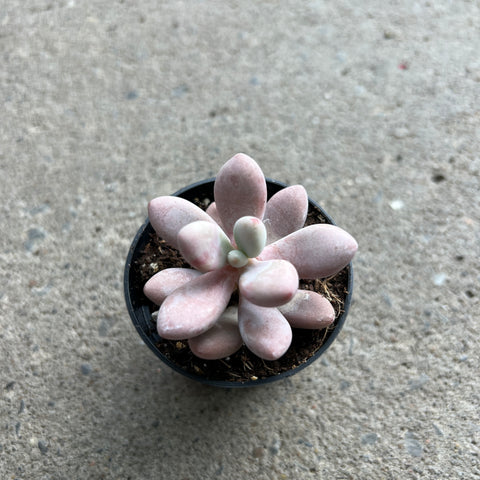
166	282
212	211
237	259
220	341
265	331
286	212
269	283
240	190
194	307
308	309
204	245
316	251
168	215
250	235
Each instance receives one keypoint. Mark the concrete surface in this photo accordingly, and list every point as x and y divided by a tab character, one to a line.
373	106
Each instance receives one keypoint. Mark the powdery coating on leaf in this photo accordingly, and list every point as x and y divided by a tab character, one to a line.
265	331
194	307
286	212
308	309
220	341
316	251
269	283
237	259
240	190
168	215
212	211
204	245
166	282
250	235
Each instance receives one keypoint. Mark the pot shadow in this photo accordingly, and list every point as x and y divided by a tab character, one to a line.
161	417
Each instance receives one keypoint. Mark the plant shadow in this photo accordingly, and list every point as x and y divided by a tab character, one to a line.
162	416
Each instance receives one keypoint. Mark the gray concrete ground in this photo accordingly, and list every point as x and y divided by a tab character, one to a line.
373	106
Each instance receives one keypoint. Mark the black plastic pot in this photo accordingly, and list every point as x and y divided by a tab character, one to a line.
139	307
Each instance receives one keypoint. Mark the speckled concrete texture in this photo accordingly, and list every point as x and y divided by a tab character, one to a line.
373	106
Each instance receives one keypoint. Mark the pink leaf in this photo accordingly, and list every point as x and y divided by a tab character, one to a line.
220	341
269	283
240	190
194	307
265	331
212	211
204	245
308	309
316	251
166	282
286	212
169	214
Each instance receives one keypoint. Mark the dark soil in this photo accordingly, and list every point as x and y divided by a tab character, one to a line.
243	365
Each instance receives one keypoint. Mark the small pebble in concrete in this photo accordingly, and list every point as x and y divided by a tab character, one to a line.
86	368
418	382
306	443
412	445
180	91
386	299
344	385
104	327
438	430
41	291
439	279
42	446
369	438
35	237
274	448
258	452
43	208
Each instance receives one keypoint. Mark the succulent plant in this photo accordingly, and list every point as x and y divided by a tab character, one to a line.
242	242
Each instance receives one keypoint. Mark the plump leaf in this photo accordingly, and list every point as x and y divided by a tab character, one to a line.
316	251
286	212
250	235
240	190
220	341
212	211
194	307
237	259
204	245
308	309
269	283
166	282
265	331
168	215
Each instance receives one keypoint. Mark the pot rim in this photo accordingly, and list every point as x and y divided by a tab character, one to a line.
140	314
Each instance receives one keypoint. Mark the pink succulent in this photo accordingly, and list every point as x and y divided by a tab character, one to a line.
243	242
